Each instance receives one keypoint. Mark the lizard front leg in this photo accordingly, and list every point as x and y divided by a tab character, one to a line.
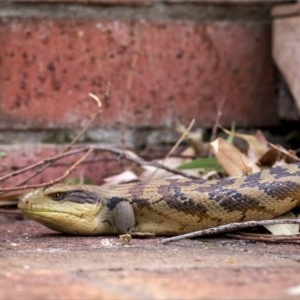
124	218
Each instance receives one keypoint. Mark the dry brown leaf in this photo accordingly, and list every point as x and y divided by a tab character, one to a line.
270	157
152	172
188	152
194	138
145	173
290	155
126	176
257	143
261	138
234	162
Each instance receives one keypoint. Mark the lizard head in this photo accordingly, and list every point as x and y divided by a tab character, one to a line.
73	209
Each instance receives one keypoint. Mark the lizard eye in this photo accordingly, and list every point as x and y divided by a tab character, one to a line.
57	196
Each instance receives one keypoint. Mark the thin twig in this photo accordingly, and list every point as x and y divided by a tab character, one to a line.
271	238
126	155
43	162
86	162
182	137
51	182
10	211
47	163
179	141
217	120
93	119
121	154
89	123
229	228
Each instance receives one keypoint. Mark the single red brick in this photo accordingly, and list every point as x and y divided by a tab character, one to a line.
184	70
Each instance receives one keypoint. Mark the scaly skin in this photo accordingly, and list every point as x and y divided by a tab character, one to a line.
164	207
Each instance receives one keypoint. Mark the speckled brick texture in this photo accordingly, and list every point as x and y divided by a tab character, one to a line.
184	70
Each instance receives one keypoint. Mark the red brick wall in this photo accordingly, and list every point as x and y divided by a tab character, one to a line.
191	56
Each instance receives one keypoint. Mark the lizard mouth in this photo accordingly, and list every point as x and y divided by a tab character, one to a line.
63	222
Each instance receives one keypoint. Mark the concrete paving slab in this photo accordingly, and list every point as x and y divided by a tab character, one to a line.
37	263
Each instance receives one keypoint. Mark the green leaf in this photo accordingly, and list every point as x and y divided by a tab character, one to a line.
2	154
75	180
230	137
202	163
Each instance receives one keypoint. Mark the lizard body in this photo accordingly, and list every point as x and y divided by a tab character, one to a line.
164	207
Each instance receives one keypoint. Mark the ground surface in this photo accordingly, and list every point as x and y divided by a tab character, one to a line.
36	263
